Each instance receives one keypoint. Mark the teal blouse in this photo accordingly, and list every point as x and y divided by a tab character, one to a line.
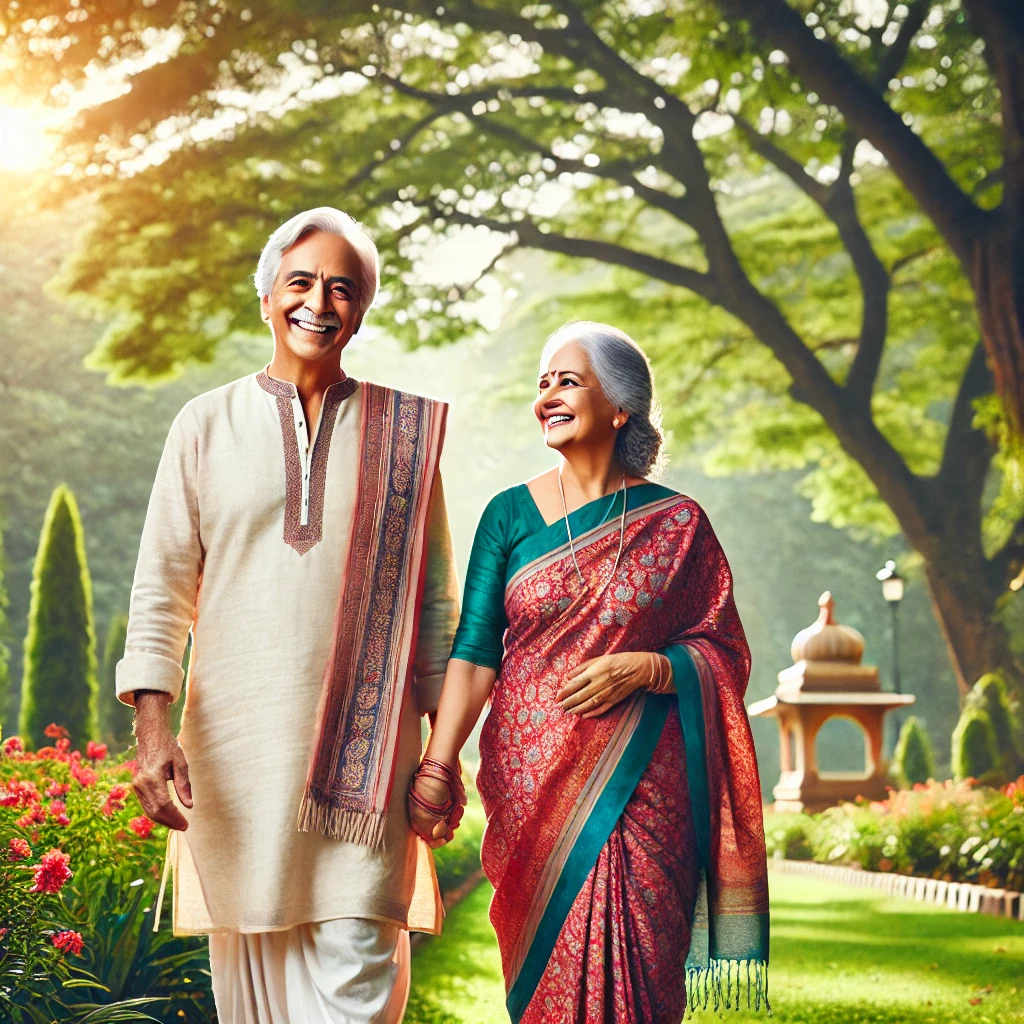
512	533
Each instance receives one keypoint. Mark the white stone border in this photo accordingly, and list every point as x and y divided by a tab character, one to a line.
963	896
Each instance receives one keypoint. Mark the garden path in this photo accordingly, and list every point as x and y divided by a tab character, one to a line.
839	956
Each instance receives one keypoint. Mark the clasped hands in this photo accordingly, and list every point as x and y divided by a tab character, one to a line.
436	801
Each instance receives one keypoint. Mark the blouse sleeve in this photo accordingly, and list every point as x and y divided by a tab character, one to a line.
480	636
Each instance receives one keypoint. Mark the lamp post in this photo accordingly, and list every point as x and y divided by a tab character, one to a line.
892	590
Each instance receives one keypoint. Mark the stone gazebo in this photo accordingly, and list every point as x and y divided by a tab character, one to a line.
827	681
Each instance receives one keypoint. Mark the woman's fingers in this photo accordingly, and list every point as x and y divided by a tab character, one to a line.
581	675
589	692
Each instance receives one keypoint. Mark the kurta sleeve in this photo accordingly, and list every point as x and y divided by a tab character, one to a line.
480	637
439	612
166	585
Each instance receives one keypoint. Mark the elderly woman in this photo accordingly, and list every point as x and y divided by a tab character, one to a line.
624	836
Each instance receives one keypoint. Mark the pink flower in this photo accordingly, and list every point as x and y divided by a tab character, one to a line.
95	751
131	765
19	849
68	942
51	872
57	807
63	745
19	793
57	789
35	816
56	732
115	799
13	745
83	775
46	753
62	819
141	826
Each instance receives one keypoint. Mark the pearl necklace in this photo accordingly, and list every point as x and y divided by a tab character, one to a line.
572	549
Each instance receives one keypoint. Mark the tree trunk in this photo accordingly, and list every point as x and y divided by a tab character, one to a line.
965	606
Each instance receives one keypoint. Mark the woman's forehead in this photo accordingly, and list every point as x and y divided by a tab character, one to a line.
568	358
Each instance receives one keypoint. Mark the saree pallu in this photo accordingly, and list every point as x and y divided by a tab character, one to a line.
626	851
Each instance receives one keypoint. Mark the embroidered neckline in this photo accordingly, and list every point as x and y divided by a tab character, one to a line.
298	535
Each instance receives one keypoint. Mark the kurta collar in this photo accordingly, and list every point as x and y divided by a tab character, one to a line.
286	389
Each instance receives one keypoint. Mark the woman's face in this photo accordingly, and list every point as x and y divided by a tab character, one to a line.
570	406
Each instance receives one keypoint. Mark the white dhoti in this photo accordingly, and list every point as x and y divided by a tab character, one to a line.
347	971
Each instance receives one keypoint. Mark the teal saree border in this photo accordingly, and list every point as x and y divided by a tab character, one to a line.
586	850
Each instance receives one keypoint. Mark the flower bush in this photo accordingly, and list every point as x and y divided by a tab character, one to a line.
79	877
960	832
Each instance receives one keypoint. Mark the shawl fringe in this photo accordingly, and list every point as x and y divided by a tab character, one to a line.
365	828
726	984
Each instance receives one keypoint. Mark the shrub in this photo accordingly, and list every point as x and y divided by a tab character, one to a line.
990	694
60	812
913	759
59	682
787	836
5	654
974	754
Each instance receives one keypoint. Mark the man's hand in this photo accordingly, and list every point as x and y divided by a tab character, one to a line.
159	759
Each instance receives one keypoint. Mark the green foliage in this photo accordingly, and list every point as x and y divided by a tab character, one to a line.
990	694
956	831
59	681
5	654
913	759
83	806
446	130
975	754
115	717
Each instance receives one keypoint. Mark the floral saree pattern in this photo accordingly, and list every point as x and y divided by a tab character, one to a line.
626	851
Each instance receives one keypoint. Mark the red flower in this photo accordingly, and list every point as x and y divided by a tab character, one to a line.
19	849
68	942
46	753
35	816
131	765
57	789
62	819
13	745
51	872
95	751
83	775
56	732
3	932
141	826
115	799
57	807
63	745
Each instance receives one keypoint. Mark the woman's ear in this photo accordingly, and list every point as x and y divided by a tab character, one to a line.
620	419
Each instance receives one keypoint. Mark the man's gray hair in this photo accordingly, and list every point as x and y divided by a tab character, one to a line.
624	373
334	222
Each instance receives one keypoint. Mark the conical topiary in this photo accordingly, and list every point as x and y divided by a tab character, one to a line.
913	758
990	694
975	755
59	680
5	654
115	717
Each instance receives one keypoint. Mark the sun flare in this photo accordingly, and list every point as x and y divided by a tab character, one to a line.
23	145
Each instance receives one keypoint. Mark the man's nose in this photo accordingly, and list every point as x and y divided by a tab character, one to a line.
317	299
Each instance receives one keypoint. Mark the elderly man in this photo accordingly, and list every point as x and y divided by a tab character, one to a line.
297	528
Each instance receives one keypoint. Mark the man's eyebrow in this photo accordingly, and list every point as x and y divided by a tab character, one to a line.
338	278
343	280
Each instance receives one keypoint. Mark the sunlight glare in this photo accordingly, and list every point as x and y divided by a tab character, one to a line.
23	145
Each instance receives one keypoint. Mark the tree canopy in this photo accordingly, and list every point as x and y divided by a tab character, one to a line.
802	306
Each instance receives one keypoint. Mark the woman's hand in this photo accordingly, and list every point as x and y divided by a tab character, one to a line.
448	795
601	683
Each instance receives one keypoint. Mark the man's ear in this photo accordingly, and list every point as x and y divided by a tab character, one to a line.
265	309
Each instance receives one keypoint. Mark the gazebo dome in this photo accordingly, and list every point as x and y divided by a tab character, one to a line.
826	640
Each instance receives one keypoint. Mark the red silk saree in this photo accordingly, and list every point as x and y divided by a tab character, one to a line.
626	851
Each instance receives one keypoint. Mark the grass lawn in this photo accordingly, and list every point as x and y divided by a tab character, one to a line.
839	956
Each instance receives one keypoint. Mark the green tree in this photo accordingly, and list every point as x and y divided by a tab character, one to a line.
803	295
5	654
989	694
59	681
115	717
975	754
913	756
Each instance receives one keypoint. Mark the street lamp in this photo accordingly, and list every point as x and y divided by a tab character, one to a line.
892	590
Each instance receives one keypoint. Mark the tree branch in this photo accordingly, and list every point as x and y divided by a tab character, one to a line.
825	70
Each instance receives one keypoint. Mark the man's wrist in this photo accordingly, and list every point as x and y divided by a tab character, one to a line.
150	709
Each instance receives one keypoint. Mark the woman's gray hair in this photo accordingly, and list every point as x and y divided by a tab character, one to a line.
624	373
334	222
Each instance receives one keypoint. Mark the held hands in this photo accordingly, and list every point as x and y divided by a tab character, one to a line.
159	759
436	802
599	684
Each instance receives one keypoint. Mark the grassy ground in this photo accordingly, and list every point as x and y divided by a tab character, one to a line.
839	956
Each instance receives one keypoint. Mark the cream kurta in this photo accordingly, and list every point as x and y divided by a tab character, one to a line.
216	557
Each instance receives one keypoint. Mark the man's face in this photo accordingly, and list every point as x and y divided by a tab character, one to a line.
312	308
